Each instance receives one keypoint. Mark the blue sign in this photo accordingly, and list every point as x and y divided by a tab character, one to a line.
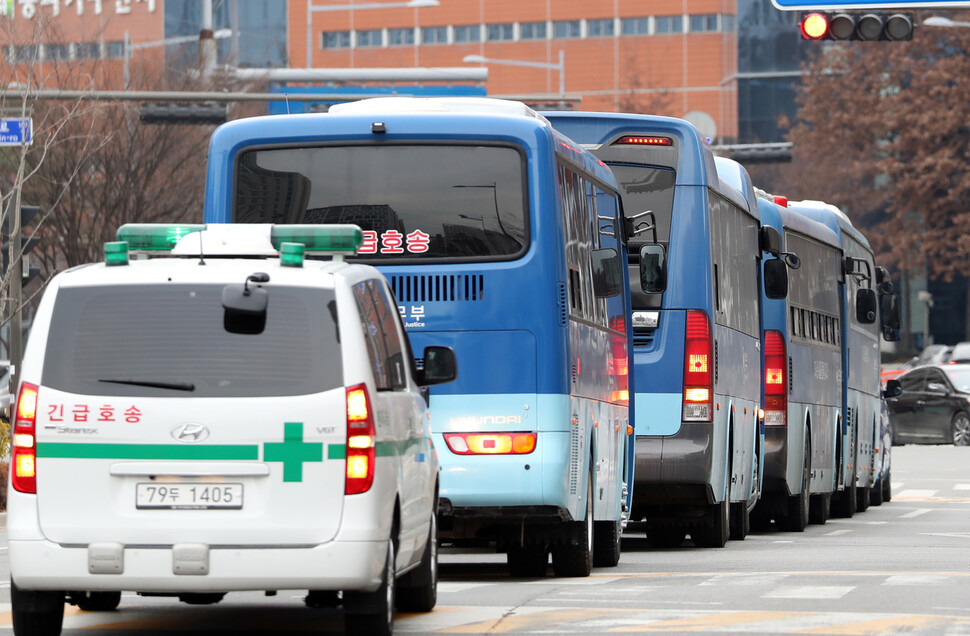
877	5
16	131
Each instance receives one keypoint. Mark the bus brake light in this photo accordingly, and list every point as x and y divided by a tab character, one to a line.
776	382
698	379
643	140
491	443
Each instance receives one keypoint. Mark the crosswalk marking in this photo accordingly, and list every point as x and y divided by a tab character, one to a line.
915	513
961	487
836	533
505	624
706	622
893	624
916	494
810	591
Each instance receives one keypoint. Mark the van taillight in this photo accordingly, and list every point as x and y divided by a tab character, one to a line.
776	382
698	372
24	441
361	439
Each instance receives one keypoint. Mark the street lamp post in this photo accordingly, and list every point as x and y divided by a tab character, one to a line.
561	66
311	9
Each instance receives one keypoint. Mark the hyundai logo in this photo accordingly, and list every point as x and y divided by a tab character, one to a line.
190	433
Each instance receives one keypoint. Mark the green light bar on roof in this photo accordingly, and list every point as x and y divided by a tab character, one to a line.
155	236
319	238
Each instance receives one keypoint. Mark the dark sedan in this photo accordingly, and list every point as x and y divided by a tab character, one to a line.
934	406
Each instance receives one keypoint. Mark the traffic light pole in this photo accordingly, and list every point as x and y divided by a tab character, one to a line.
15	345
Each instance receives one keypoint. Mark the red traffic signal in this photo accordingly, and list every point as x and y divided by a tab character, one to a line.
871	26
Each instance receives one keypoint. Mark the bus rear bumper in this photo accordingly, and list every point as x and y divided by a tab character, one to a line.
675	469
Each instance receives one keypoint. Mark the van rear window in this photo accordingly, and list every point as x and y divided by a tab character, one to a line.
160	340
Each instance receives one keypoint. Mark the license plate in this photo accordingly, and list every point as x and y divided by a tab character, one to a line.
188	496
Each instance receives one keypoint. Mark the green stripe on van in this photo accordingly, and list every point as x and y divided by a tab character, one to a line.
67	450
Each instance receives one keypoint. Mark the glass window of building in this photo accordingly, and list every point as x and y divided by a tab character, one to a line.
670	24
115	49
468	33
566	29
728	23
58	51
370	38
434	35
706	23
400	37
88	51
600	28
336	40
634	26
500	32
532	31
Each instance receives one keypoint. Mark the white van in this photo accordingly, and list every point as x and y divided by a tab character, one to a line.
230	417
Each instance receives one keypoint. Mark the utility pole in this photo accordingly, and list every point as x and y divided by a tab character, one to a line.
15	284
207	41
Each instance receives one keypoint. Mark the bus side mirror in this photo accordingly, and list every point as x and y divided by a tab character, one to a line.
776	279
440	366
607	275
893	388
865	306
889	316
769	240
653	268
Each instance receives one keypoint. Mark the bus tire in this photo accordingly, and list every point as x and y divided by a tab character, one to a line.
887	490
740	520
717	530
575	557
528	561
844	504
863	498
606	543
36	613
797	510
417	591
819	508
875	495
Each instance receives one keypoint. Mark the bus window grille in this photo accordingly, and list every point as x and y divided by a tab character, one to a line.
643	336
575	457
439	288
563	306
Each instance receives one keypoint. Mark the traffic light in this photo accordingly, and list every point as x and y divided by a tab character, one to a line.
869	26
212	114
27	214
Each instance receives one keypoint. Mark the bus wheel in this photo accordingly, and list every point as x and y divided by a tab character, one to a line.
529	561
575	558
606	543
740	520
862	499
843	505
796	516
875	495
818	508
714	533
660	537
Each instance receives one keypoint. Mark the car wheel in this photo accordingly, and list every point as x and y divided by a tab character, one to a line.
372	613
417	591
960	429
575	559
36	613
95	601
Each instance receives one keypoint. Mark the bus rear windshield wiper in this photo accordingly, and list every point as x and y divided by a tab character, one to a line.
175	386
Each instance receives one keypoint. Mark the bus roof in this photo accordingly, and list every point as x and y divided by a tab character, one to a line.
736	180
695	161
833	217
440	119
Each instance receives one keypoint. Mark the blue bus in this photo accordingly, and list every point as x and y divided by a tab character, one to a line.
504	240
802	336
696	324
864	319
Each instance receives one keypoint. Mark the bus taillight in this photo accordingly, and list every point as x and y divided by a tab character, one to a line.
491	443
776	381
698	374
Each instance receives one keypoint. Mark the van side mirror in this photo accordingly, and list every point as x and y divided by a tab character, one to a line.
653	268
607	276
893	388
776	279
769	240
440	366
889	316
865	306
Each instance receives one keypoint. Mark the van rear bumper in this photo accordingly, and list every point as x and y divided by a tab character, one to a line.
338	565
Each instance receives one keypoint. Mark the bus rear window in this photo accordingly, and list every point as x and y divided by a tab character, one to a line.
134	340
423	202
647	188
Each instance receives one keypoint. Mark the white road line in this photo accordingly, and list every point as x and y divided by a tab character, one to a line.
810	591
961	486
916	493
836	533
916	513
913	579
